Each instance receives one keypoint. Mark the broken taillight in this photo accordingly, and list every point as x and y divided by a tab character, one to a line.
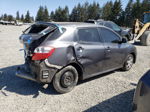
42	52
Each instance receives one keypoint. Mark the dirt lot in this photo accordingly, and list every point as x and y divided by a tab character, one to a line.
112	92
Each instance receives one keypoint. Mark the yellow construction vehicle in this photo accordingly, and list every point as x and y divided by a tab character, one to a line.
141	30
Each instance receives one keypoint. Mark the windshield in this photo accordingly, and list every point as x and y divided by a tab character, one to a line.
115	27
146	17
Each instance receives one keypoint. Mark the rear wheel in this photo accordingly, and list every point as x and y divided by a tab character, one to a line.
65	80
128	63
145	39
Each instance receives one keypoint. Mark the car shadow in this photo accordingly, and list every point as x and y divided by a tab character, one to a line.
10	82
96	77
119	103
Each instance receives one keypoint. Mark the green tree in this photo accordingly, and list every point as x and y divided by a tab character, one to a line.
107	11
80	15
32	19
61	14
52	14
45	14
94	11
17	15
40	14
10	18
66	13
85	7
27	17
86	11
116	12
22	18
77	14
74	15
5	17
128	14
82	12
2	17
58	16
137	10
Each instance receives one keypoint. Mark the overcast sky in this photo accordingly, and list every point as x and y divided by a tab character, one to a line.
11	6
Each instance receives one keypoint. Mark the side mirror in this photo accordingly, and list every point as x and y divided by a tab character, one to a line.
124	40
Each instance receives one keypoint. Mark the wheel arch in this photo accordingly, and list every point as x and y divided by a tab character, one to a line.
134	56
79	69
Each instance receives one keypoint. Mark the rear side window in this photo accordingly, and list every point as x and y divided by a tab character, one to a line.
88	35
56	34
108	35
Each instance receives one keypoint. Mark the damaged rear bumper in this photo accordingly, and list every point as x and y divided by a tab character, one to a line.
36	72
23	74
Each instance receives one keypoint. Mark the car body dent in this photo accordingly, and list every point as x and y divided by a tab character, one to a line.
51	65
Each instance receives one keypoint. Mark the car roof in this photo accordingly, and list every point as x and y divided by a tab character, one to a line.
72	25
102	21
68	24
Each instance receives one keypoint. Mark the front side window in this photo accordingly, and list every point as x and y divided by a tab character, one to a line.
88	35
108	36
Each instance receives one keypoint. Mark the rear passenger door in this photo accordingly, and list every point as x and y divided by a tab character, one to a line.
114	50
89	50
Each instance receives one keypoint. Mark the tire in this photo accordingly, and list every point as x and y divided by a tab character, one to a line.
65	80
145	39
128	63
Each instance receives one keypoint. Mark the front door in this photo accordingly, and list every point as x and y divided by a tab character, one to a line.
115	51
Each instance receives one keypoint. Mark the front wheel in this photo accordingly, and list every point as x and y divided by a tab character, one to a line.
65	80
128	63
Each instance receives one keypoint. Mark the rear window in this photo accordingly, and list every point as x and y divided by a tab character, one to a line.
51	32
35	29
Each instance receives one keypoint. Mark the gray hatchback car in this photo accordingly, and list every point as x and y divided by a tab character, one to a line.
66	52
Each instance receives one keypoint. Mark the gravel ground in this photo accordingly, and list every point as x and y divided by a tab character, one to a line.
112	92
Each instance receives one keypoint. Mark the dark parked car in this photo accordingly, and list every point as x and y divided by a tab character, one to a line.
123	32
64	53
142	95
